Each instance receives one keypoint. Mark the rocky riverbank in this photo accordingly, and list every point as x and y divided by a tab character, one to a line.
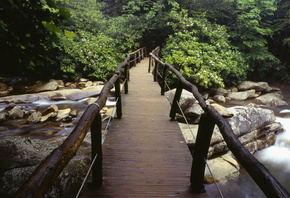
37	120
253	122
49	111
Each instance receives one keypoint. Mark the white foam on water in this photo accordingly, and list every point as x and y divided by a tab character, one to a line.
279	153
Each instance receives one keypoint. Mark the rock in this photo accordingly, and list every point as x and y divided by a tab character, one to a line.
248	119
25	155
186	98
4	93
271	99
70	94
52	108
58	97
10	106
34	117
253	126
193	111
59	82
222	110
223	168
3	87
96	83
242	95
91	100
233	89
50	86
258	86
219	98
3	116
16	113
63	115
50	112
83	80
22	151
221	91
73	113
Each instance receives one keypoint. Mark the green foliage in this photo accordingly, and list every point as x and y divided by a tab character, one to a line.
87	55
126	31
202	53
28	33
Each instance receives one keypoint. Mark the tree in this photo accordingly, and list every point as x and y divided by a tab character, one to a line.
28	34
202	52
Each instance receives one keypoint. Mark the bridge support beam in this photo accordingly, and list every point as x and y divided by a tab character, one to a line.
118	96
175	101
202	142
164	79
96	139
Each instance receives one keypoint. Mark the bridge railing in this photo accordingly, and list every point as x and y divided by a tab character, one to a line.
261	175
46	173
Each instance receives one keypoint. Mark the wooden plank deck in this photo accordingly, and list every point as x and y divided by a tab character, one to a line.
144	154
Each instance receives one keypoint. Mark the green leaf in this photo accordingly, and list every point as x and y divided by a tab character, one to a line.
69	34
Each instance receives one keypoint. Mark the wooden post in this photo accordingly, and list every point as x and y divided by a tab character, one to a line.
150	62
139	56
205	130
126	78
176	99
135	63
96	139
118	98
164	78
156	71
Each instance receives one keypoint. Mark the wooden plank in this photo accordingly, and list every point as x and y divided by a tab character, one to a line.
144	153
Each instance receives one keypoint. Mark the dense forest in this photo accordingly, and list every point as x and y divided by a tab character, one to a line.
214	43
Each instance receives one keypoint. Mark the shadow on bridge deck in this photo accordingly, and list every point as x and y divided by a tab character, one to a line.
144	154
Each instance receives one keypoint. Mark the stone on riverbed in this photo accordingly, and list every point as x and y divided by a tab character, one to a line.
16	113
23	155
255	128
186	98
271	99
223	168
258	86
34	117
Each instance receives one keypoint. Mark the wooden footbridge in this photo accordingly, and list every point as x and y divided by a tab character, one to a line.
144	153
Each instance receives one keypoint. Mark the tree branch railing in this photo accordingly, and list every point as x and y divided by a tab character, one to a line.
46	173
260	174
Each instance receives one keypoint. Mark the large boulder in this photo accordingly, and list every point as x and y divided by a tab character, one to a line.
255	127
21	152
242	95
258	86
23	155
186	98
223	168
271	99
16	113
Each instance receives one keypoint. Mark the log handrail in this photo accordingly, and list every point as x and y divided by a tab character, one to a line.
46	173
260	174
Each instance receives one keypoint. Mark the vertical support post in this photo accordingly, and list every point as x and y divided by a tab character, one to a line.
150	63
126	77
156	70
96	146
118	97
176	99
139	56
135	63
164	78
205	130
